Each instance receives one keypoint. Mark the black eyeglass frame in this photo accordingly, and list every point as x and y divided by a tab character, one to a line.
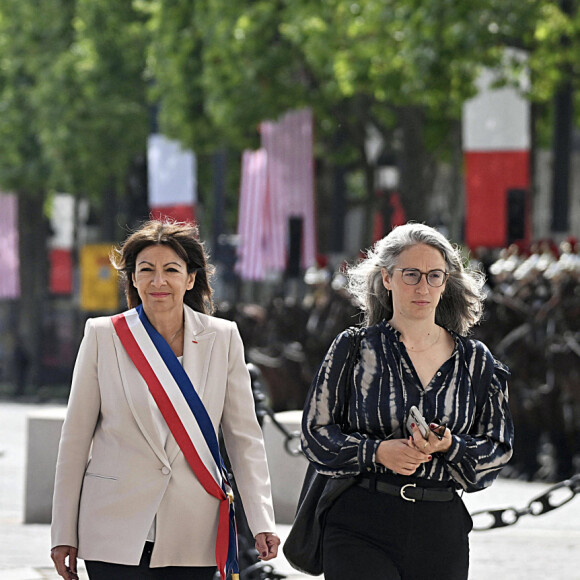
421	274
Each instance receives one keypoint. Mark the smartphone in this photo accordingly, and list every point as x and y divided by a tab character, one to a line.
416	417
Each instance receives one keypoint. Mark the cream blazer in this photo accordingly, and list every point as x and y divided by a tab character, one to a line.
114	475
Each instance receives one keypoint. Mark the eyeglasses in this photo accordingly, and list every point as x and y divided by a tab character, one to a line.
412	277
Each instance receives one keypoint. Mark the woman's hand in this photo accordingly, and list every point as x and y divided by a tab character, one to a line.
433	444
267	545
401	456
59	555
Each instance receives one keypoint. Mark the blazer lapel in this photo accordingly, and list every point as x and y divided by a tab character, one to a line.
197	345
137	394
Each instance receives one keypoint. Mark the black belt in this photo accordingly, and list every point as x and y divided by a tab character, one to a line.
410	491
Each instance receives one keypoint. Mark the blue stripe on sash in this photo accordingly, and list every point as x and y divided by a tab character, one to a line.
185	386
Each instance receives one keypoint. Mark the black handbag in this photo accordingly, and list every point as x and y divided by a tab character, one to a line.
303	547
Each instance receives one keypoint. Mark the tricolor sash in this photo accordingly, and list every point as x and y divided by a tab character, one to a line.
188	420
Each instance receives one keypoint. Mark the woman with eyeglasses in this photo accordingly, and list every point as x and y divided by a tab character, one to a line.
403	517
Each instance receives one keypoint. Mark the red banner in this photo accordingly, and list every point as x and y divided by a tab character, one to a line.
180	213
61	271
489	177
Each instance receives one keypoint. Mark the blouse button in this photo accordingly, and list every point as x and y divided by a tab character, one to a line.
165	470
438	373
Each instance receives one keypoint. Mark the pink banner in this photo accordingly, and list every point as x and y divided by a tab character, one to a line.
9	257
277	184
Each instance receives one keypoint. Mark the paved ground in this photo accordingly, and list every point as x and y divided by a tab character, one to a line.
536	548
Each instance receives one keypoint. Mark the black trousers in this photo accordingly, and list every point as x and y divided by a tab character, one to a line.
376	536
108	571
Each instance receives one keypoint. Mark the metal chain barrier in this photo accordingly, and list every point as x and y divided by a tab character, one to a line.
553	498
291	438
263	409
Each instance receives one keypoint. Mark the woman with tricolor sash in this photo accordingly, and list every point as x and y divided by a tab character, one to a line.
141	490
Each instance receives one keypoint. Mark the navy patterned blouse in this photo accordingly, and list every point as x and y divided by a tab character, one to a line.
383	387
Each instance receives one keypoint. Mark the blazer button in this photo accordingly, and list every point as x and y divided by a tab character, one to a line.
165	470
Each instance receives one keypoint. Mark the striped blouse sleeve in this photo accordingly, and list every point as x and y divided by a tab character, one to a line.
325	441
476	458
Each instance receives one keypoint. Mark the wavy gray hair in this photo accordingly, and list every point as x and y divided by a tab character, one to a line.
461	305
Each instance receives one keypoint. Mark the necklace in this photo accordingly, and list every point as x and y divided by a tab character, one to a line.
175	335
412	349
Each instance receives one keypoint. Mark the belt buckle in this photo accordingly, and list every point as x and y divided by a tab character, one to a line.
402	492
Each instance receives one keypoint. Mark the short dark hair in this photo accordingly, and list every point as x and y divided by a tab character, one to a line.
183	239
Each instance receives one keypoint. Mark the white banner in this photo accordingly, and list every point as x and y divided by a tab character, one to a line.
172	173
498	119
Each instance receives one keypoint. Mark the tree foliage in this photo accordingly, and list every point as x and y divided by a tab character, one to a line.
78	77
72	93
406	66
73	115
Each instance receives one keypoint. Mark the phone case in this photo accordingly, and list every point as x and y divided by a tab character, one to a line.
416	417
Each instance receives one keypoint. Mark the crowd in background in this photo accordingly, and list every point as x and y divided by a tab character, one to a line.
532	323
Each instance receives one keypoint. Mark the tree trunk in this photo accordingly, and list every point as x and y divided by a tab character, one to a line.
369	203
33	234
413	163
457	198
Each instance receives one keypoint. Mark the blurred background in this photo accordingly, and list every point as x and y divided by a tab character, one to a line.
296	133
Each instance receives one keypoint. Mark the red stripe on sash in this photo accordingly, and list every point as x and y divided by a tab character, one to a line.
181	436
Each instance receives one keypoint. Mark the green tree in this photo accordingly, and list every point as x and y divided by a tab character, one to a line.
74	118
92	103
25	52
404	66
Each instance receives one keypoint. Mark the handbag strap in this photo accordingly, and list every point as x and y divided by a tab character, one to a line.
354	335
